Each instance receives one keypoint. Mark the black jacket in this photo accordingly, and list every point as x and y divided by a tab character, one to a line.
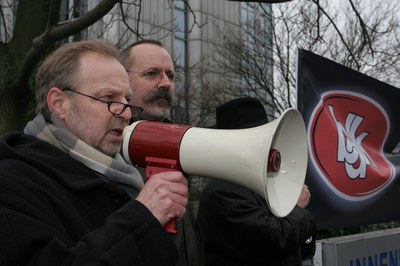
56	211
238	229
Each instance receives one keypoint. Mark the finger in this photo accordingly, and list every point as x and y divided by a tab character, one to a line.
174	183
172	176
179	212
179	200
181	190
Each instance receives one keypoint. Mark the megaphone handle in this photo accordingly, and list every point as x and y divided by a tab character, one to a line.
170	227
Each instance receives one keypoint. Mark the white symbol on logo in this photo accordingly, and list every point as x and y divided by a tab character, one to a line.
350	150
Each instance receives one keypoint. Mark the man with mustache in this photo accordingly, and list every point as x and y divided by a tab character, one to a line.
67	196
151	75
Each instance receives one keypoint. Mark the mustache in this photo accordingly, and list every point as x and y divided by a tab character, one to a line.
160	94
118	122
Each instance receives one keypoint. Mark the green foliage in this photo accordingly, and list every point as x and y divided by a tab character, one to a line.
16	105
330	233
6	102
4	62
31	42
194	196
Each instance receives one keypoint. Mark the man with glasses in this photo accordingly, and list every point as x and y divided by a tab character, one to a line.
151	75
67	197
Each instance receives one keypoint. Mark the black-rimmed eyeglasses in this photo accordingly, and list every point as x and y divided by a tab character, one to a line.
116	108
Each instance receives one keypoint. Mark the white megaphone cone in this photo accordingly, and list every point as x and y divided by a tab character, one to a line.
270	160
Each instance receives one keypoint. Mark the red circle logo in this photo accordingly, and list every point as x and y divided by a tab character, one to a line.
346	136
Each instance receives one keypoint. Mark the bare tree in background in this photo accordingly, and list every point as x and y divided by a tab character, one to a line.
40	27
365	39
366	42
34	34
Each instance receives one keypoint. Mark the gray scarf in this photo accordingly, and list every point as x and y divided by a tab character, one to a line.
56	133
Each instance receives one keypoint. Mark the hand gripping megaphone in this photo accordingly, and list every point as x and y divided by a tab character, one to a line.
270	160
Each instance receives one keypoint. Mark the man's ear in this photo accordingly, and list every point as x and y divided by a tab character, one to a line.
57	102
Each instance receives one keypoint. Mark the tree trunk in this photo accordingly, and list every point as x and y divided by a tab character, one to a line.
16	100
35	35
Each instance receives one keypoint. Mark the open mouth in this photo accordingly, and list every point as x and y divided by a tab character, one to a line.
116	132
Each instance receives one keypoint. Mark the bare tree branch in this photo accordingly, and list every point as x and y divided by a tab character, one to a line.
195	22
4	24
373	48
337	31
42	42
363	28
125	21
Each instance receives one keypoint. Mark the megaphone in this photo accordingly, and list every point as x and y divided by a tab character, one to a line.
270	160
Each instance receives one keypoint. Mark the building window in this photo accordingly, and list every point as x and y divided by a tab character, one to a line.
70	10
180	34
256	27
7	19
180	57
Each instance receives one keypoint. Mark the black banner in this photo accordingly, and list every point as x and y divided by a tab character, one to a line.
353	131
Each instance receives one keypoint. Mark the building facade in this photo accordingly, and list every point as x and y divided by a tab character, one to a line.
192	31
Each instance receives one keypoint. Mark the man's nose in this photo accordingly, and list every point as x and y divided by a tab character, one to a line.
165	80
126	114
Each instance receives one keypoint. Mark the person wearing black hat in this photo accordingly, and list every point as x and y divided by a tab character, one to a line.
236	225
